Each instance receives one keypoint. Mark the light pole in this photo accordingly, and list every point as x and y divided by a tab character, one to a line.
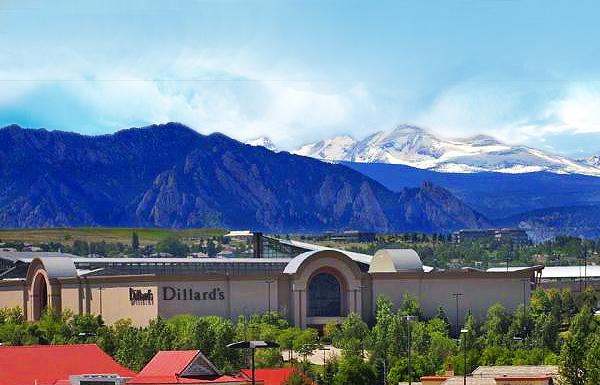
464	333
409	319
457	297
253	345
324	350
269	282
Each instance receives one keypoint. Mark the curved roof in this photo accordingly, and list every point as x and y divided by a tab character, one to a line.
395	260
58	267
293	266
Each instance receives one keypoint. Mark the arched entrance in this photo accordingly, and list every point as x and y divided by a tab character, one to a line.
40	296
324	296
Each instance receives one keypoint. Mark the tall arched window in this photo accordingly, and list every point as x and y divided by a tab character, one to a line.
40	296
324	296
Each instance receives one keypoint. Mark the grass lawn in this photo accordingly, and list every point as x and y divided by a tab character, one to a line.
99	234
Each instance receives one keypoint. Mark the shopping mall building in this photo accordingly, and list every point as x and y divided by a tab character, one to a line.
308	284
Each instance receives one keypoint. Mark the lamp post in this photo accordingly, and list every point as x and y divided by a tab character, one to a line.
409	319
464	333
253	345
324	350
457	297
269	282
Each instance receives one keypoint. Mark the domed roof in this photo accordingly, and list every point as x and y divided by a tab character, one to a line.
56	267
395	260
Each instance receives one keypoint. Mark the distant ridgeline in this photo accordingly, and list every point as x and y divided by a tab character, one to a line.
171	176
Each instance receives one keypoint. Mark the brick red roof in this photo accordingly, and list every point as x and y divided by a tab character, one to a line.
52	364
167	367
270	376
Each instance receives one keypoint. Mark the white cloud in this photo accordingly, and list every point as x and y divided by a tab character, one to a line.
514	113
208	94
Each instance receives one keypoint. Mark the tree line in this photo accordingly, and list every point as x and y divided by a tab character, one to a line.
556	328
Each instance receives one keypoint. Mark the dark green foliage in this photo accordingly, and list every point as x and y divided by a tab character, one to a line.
554	329
354	371
173	246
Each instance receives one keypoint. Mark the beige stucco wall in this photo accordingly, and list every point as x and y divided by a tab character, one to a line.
183	305
435	291
224	297
252	296
111	300
13	295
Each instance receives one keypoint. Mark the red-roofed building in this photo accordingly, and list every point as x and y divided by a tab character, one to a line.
271	376
182	367
55	364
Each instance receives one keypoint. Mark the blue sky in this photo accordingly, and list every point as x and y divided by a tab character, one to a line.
297	71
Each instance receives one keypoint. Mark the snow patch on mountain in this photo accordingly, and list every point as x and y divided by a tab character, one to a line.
331	149
263	141
416	147
593	161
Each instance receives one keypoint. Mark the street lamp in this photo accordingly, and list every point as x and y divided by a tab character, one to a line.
253	345
457	297
269	282
464	333
409	319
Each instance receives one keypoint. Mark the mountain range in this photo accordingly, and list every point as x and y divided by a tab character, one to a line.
419	148
171	176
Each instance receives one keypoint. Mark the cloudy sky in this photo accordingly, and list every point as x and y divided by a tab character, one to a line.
297	71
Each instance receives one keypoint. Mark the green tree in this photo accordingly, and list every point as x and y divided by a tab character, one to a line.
135	241
212	335
354	371
496	325
352	335
573	369
592	361
183	327
129	352
172	245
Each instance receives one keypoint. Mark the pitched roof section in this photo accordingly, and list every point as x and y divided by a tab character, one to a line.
50	364
181	367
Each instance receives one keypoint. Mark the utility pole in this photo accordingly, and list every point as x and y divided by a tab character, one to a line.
464	333
457	297
409	319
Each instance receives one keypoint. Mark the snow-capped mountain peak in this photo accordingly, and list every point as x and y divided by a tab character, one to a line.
335	148
593	161
264	142
417	147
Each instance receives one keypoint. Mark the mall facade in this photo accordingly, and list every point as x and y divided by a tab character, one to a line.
308	284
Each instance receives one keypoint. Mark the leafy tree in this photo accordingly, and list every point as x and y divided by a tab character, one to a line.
419	366
129	352
135	241
495	326
158	336
297	379
183	327
352	334
172	245
354	371
573	367
212	335
592	361
380	335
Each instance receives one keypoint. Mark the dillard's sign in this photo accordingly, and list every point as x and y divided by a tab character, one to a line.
138	297
188	294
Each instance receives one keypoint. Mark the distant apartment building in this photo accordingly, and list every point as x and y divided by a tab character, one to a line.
517	237
350	236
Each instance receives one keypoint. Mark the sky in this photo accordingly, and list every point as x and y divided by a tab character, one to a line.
524	72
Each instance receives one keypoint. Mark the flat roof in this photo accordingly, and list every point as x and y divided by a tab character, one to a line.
556	272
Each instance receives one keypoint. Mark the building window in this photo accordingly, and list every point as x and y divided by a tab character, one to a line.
324	296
